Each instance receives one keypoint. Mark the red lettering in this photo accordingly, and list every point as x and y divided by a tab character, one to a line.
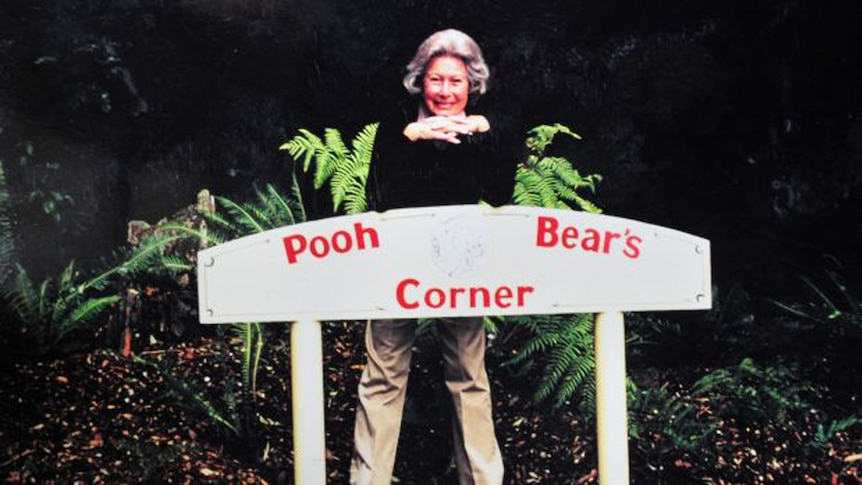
523	291
570	235
361	232
546	236
551	233
346	242
484	293
341	241
633	249
319	246
399	293
592	241
294	250
609	238
453	296
502	296
435	298
479	296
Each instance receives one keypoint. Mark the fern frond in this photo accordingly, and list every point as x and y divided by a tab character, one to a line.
261	214
564	345
522	195
240	215
305	146
363	143
204	236
348	180
142	255
251	336
296	191
84	313
355	202
551	181
258	351
537	344
175	265
25	300
335	144
326	165
189	397
587	206
344	169
244	332
280	204
220	224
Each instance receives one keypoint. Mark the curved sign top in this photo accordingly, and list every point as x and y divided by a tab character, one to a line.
453	261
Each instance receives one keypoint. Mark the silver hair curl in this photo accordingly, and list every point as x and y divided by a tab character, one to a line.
453	43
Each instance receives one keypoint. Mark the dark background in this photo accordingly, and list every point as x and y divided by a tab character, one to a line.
738	121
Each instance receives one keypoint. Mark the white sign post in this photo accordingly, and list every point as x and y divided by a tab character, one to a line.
454	261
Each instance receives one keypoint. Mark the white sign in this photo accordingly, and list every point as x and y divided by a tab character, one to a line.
453	261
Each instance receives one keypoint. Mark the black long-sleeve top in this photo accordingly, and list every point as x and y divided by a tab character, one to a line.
429	173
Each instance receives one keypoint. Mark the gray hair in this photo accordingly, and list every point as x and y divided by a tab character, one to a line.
453	43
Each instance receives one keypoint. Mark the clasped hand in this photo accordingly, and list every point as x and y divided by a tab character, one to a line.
446	129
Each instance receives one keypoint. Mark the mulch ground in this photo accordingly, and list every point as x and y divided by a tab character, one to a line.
103	418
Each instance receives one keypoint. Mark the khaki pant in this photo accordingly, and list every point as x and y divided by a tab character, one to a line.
383	387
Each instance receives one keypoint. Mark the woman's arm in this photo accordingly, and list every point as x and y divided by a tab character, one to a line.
446	129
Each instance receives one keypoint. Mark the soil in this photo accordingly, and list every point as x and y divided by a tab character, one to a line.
100	417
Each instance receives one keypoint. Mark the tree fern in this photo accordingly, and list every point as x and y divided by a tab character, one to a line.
344	169
562	343
544	181
563	346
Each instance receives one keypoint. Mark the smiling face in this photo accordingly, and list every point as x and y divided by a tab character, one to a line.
446	86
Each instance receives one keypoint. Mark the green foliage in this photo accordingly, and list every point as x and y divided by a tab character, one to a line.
564	343
713	338
192	399
823	331
271	210
563	346
754	394
50	311
229	220
832	305
43	187
825	434
546	181
664	423
46	314
235	412
251	336
345	169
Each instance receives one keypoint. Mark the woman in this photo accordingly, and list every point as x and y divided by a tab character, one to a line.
432	152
